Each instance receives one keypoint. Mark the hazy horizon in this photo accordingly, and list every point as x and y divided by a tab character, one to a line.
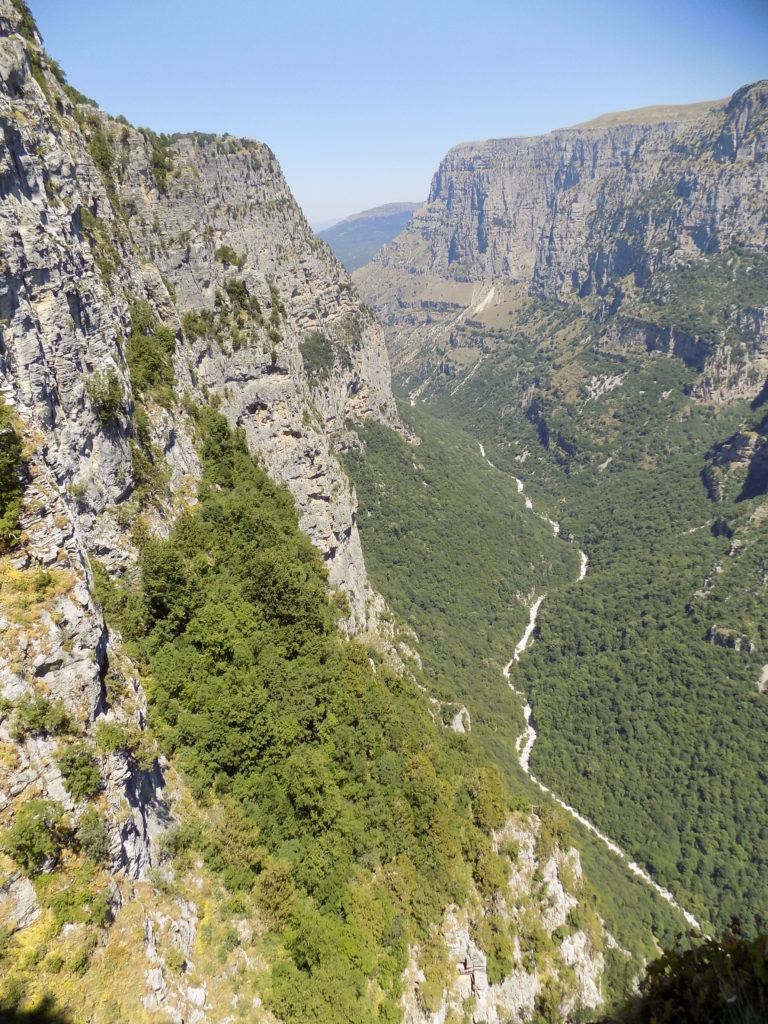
360	105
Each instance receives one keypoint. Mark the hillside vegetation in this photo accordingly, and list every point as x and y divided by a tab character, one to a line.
643	680
356	817
450	544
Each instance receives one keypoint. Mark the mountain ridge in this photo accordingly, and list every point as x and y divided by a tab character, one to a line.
591	213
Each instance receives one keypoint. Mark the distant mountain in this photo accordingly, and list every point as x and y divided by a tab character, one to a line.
358	238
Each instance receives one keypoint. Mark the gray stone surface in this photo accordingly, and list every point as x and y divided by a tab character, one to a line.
586	212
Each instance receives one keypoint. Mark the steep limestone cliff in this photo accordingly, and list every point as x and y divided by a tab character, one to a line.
91	233
61	324
615	212
228	197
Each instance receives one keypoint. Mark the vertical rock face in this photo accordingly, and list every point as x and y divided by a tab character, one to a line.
607	210
223	218
60	326
93	217
545	211
81	242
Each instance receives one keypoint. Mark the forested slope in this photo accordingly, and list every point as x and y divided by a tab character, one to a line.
590	305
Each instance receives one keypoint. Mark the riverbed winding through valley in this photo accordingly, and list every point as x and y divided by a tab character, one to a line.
527	738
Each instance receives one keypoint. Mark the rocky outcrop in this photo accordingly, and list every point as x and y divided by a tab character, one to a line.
54	648
95	216
738	466
562	952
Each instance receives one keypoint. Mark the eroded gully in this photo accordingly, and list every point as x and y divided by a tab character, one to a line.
527	738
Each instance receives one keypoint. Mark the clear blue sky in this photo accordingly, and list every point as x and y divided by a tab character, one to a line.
361	100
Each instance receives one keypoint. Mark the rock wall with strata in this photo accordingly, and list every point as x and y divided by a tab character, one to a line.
229	192
611	212
59	324
568	210
84	234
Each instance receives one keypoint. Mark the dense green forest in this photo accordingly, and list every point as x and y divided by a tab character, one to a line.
10	478
451	545
459	559
643	679
356	816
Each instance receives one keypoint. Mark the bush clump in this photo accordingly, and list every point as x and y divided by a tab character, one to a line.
149	350
80	771
11	489
93	836
36	835
105	393
39	716
319	355
197	323
227	255
159	156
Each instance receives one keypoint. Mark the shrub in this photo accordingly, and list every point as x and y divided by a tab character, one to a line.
149	350
104	253
35	715
491	932
100	151
54	963
319	355
111	737
36	836
27	25
78	904
553	833
237	291
274	336
93	836
490	804
105	393
80	771
175	959
10	479
278	308
226	254
159	156
82	959
196	323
